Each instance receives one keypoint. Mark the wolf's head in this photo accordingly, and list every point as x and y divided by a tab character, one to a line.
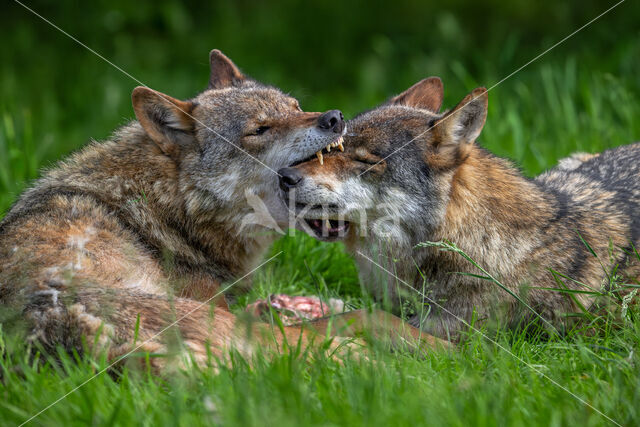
229	141
394	178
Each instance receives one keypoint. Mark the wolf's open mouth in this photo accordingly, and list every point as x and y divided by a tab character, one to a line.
328	229
336	143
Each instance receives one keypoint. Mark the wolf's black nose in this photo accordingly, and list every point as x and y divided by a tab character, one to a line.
289	178
332	121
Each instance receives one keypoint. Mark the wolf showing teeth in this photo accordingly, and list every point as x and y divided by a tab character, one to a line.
142	228
410	174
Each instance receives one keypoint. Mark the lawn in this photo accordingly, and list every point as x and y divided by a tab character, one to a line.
584	95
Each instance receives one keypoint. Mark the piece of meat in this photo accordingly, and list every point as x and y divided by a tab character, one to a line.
295	309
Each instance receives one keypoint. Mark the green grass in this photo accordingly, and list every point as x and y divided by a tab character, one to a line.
478	384
582	96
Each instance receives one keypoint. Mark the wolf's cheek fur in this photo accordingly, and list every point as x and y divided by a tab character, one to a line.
359	198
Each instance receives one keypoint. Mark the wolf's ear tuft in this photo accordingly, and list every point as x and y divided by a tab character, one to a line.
166	120
464	123
224	72
426	94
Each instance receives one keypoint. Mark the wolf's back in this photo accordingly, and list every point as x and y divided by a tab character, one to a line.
608	182
618	169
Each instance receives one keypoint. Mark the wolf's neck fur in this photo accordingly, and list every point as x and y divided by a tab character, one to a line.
493	213
148	191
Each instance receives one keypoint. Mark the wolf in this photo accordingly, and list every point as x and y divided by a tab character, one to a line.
411	174
126	235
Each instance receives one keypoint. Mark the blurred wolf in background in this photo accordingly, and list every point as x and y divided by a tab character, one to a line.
145	226
411	174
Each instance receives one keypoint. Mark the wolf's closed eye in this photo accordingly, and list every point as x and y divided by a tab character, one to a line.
369	160
261	130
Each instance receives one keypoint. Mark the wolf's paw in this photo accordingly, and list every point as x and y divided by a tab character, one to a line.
295	309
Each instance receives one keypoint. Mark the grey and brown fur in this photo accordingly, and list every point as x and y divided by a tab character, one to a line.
442	186
147	224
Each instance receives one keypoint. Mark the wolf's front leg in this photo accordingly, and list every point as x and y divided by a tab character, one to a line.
155	331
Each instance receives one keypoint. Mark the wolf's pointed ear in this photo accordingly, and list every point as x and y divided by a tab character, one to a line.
166	120
426	94
464	123
224	72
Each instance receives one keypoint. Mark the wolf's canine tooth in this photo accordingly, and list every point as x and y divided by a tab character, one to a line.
340	146
328	147
327	224
319	155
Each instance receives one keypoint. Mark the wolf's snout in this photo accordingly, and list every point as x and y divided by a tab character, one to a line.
332	121
289	178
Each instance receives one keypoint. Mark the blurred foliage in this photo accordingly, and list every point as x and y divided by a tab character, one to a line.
353	54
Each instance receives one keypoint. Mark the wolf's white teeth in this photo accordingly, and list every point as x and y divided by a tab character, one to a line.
327	224
336	143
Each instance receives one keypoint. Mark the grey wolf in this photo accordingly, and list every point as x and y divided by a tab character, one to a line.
411	174
128	234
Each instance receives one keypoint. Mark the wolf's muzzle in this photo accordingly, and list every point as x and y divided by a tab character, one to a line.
332	121
289	178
